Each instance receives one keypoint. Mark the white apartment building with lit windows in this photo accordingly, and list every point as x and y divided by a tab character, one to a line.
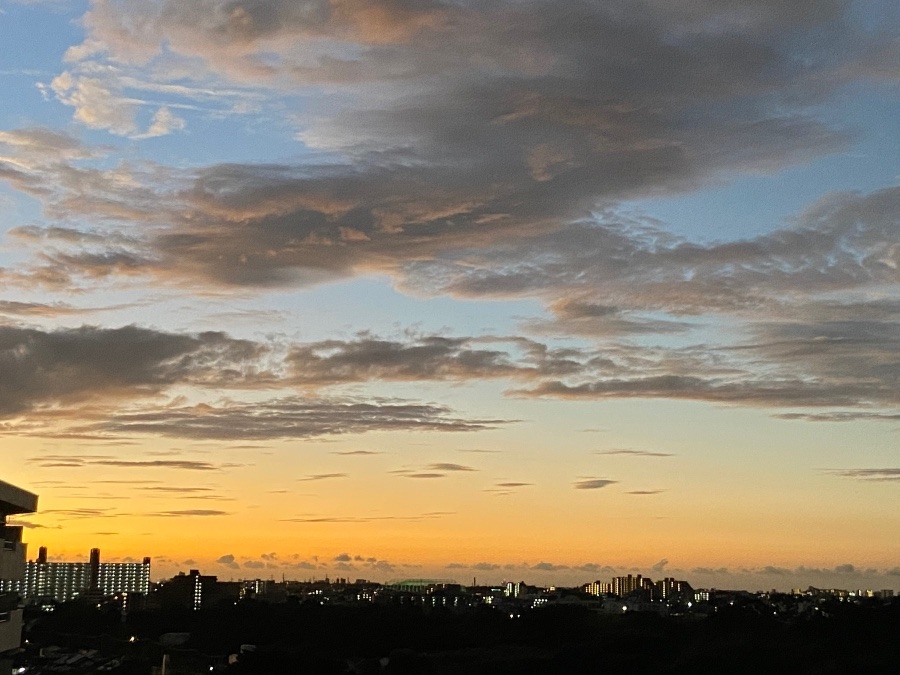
64	581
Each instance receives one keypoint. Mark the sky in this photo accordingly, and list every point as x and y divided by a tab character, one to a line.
507	289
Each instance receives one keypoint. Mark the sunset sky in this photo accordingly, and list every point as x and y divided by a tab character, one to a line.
518	289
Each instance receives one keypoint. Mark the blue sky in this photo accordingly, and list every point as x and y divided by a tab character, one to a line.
642	258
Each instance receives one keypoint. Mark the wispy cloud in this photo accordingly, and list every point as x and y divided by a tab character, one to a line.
366	519
75	462
80	513
289	417
592	483
178	490
478	567
841	416
434	470
881	475
28	525
634	453
189	513
449	466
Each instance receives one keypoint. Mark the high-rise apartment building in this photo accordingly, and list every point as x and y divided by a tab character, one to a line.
197	590
623	586
669	587
597	588
63	581
13	501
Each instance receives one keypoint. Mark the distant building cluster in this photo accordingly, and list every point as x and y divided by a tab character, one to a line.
843	594
625	586
48	582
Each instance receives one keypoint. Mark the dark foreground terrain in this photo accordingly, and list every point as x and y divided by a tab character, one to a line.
299	637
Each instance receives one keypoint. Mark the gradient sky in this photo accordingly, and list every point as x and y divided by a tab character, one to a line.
515	289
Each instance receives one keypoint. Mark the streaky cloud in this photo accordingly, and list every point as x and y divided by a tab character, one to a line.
879	475
634	453
593	483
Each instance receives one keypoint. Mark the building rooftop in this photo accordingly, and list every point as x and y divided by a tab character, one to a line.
15	500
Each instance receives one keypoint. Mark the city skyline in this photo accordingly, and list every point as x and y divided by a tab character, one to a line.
345	566
65	580
438	289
